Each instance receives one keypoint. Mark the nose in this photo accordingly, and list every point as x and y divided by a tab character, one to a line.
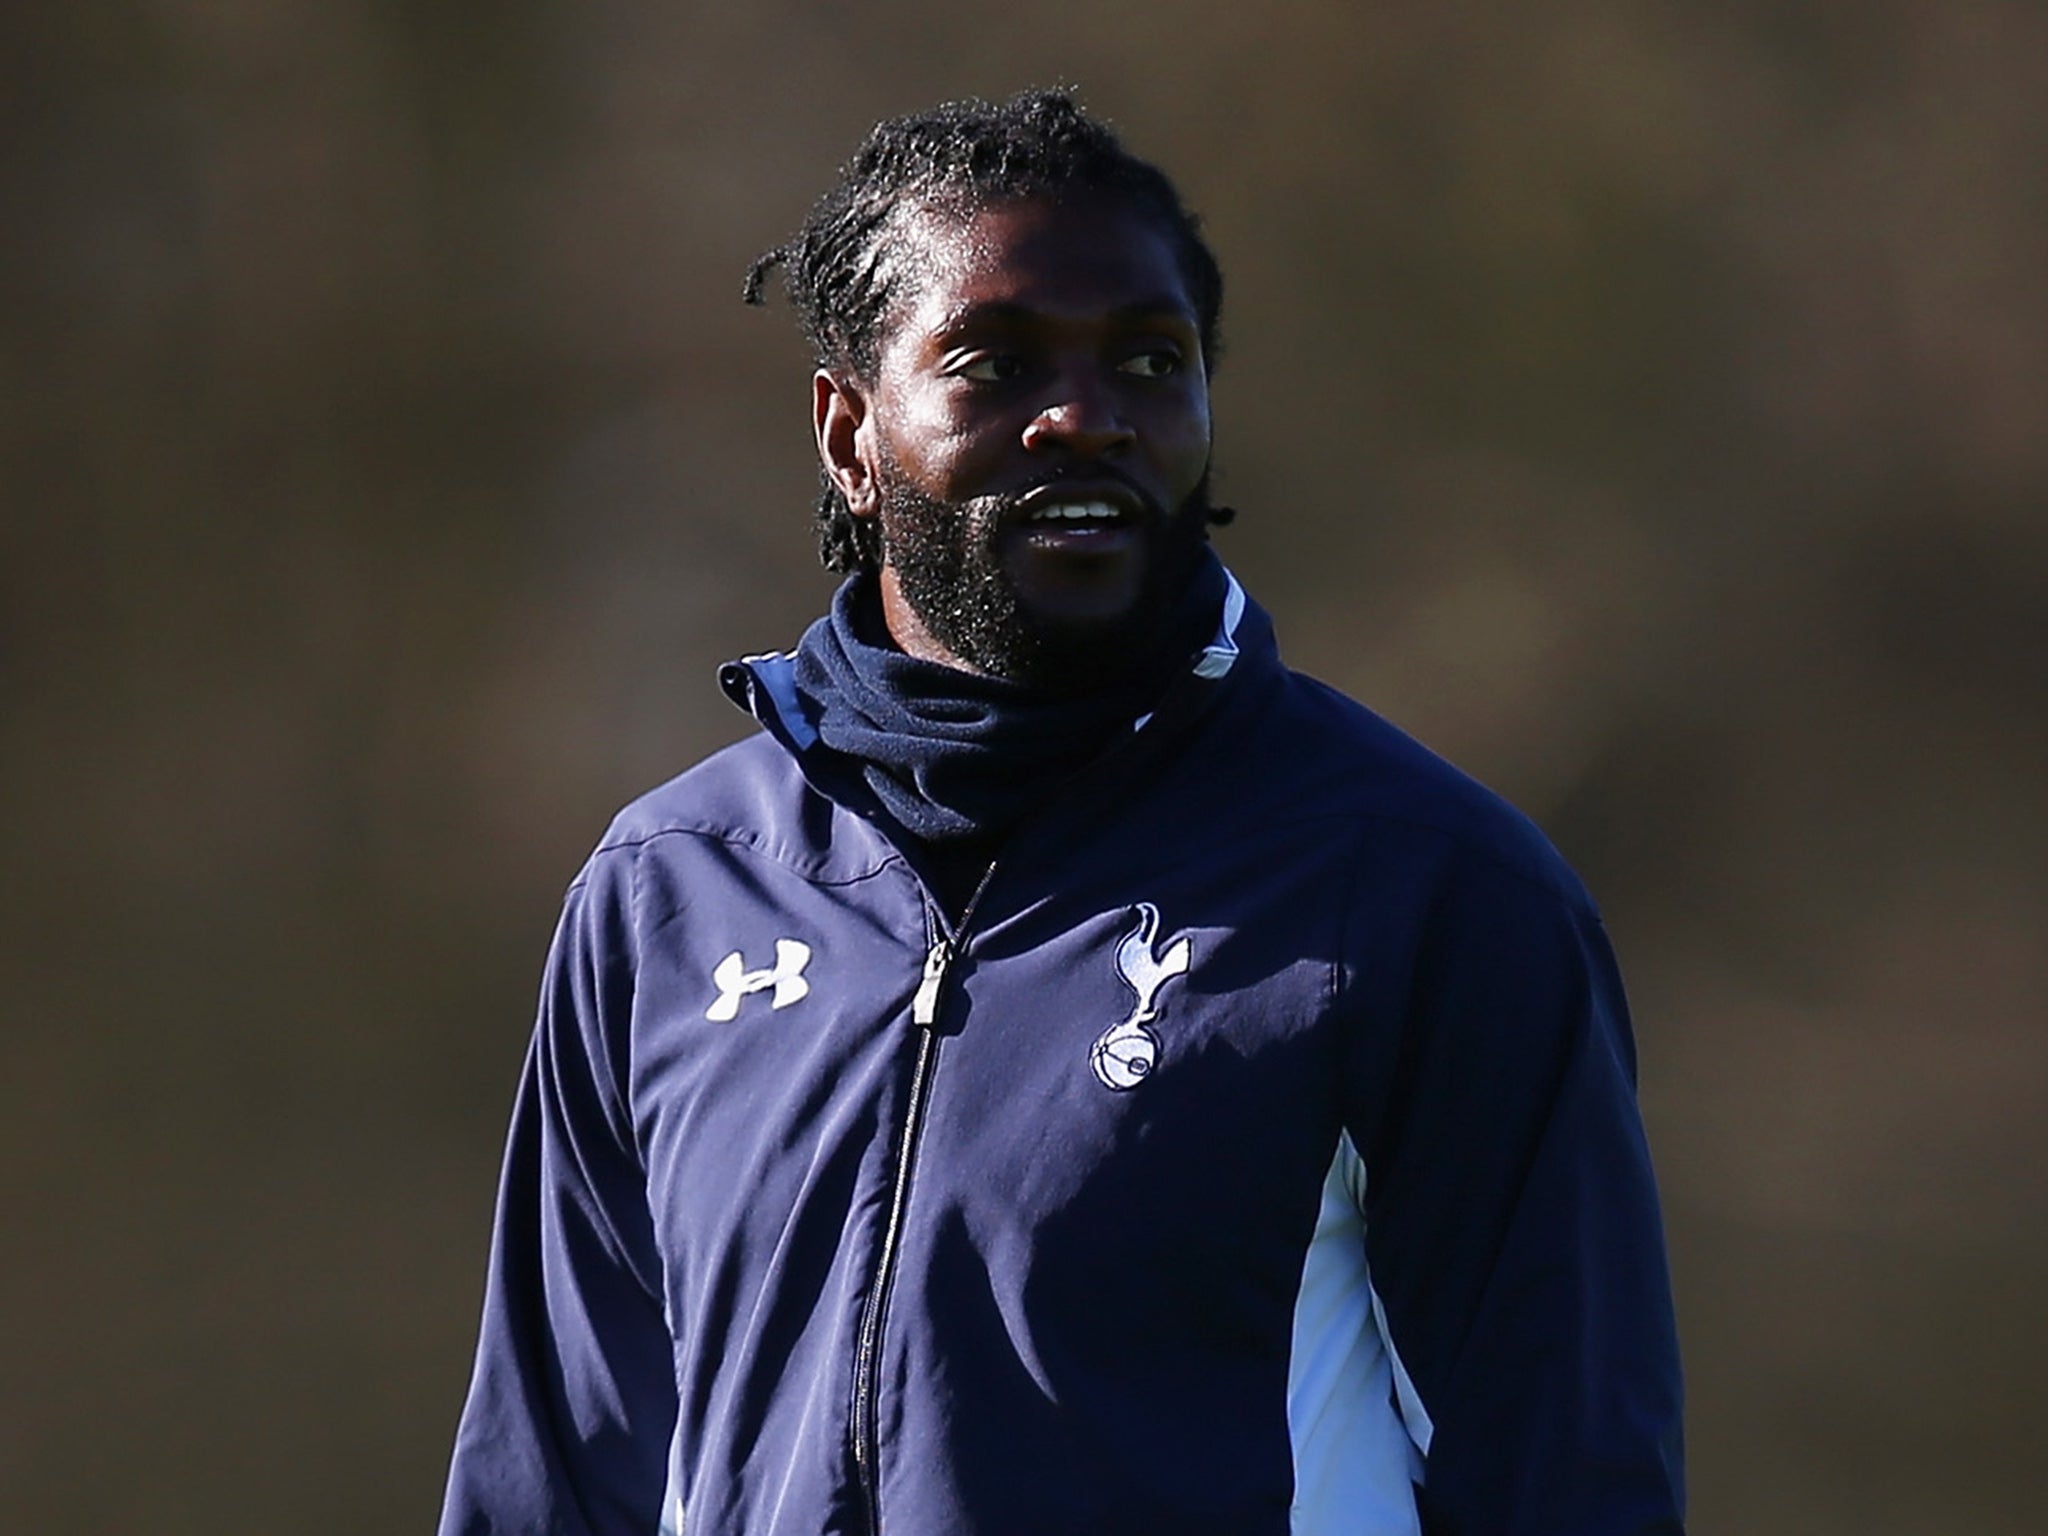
1079	419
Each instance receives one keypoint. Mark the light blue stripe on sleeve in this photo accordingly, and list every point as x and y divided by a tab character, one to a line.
1359	1429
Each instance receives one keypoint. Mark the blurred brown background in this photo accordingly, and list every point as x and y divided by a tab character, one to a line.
1644	405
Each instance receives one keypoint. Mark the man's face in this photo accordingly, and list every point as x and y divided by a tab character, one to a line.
1035	441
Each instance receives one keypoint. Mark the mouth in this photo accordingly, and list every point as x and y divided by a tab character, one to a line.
1079	519
1076	517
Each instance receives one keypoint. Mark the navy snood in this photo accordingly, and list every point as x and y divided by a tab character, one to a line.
957	757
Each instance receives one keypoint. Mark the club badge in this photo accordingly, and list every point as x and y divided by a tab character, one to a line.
1125	1054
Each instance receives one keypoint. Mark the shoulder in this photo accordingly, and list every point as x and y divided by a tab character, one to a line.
732	792
1340	757
749	800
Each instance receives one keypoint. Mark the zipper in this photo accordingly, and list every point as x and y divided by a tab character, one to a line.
924	1018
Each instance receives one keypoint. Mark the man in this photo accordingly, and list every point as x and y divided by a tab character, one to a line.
1065	1073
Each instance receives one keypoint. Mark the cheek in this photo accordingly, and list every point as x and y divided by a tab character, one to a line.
941	453
1183	442
926	416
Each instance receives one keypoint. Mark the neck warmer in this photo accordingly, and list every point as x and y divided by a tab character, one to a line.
953	755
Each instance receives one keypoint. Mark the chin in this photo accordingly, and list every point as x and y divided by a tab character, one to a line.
1081	642
1054	625
1073	656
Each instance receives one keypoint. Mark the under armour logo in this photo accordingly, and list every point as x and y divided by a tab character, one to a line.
734	981
1125	1054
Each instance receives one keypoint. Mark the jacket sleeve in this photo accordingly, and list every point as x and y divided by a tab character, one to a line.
1513	1234
572	1405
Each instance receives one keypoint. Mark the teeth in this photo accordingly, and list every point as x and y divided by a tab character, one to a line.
1080	512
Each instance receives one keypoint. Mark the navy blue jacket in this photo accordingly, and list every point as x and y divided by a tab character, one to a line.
1260	1156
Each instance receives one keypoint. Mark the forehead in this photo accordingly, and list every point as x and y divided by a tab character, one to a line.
1076	259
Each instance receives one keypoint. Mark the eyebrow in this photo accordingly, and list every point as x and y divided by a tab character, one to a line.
1001	311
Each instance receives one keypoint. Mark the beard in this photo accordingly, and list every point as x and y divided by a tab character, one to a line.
947	563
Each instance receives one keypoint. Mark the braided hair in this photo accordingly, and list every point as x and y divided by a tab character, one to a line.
963	155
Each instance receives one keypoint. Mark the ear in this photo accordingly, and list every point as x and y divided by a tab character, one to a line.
839	417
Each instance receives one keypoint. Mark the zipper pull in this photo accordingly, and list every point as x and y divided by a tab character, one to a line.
924	1007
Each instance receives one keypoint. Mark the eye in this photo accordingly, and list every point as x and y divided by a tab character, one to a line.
1157	363
990	367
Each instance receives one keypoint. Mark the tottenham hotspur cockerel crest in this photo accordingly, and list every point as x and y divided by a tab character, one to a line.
1125	1054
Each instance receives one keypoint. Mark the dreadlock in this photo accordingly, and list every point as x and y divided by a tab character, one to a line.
964	155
